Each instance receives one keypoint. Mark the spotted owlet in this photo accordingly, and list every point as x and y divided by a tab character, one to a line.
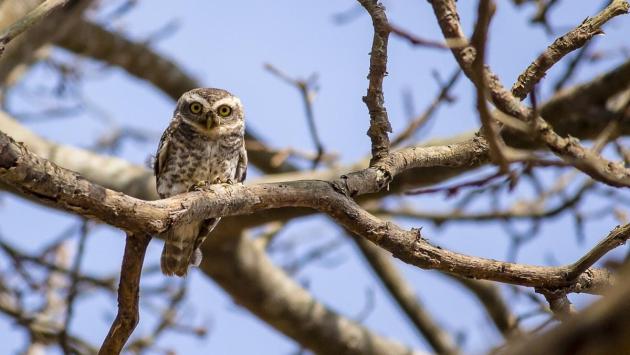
203	144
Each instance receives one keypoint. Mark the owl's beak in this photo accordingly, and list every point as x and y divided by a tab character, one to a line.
212	121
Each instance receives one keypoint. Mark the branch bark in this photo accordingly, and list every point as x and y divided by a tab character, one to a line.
568	149
567	43
50	184
374	100
128	295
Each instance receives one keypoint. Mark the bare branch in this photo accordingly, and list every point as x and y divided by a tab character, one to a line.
374	100
128	295
564	45
568	149
615	238
64	189
490	128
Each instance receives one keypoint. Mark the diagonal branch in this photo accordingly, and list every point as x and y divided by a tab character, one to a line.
33	17
245	271
615	238
567	43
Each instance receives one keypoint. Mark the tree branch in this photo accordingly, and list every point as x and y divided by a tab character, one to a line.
243	269
50	184
568	149
564	45
128	295
374	100
33	17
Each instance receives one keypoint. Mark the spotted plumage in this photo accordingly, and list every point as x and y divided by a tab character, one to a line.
203	144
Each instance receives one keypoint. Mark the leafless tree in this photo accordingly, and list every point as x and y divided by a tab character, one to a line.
577	131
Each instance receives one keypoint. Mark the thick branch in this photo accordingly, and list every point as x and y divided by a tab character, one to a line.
50	184
244	270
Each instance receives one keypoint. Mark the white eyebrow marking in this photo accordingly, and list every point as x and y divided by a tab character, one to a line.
231	101
198	98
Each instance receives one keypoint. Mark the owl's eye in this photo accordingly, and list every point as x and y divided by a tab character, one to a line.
195	107
224	110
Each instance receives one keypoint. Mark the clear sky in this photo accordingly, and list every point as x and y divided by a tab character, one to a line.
225	44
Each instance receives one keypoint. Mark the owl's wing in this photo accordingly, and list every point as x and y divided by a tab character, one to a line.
163	149
241	167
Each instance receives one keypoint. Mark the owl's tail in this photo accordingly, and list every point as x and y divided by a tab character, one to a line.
179	248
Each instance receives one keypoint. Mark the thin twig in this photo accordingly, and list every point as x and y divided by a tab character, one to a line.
307	92
419	121
415	40
74	286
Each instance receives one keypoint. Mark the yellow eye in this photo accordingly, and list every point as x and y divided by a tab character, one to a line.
196	107
224	110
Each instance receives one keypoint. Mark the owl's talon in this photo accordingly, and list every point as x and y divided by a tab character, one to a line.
198	186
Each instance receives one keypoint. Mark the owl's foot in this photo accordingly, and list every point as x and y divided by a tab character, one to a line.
220	181
198	186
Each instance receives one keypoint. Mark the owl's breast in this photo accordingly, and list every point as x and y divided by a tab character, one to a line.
208	161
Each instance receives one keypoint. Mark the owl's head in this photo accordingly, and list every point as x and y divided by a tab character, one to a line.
213	111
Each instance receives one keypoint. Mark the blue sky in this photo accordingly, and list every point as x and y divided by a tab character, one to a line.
225	44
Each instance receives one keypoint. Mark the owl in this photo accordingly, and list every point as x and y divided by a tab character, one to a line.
203	144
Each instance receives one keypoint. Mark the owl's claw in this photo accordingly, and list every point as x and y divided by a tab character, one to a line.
198	186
